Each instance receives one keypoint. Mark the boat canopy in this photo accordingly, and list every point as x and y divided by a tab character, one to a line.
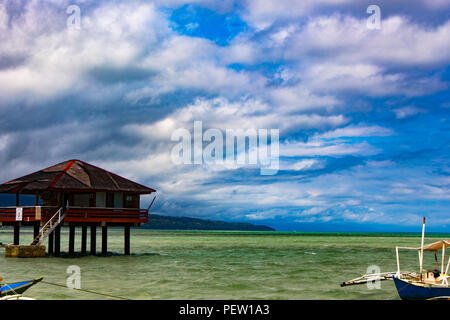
435	246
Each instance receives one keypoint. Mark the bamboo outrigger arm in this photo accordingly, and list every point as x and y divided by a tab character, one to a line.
375	277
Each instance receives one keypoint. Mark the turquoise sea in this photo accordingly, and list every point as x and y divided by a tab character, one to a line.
220	265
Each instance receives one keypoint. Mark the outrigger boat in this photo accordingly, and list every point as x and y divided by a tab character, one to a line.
429	284
17	288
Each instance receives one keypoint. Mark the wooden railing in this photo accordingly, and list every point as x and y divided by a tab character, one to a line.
77	214
29	214
125	215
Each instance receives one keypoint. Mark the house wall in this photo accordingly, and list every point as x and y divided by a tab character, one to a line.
131	201
50	199
81	200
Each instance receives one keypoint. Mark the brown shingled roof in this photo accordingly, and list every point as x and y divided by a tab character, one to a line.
73	175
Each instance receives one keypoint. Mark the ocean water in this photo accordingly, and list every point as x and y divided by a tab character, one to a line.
220	265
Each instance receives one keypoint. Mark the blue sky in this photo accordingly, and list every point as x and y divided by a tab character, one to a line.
363	114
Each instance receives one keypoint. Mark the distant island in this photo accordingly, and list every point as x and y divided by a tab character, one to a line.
185	223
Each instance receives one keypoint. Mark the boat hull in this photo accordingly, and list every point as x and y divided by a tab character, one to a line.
17	287
408	291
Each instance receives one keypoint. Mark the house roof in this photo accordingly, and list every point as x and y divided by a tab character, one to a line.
73	175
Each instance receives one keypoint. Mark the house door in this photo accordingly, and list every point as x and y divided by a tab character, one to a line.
92	200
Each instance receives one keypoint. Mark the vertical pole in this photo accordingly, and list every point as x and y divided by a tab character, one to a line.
93	239
104	240
448	264
398	262
443	257
444	281
16	233
127	240
421	248
71	240
57	232
83	239
50	243
35	230
17	224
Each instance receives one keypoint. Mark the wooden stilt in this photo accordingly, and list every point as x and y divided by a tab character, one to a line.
57	232
16	233
104	240
127	240
50	243
93	240
71	240
83	239
35	230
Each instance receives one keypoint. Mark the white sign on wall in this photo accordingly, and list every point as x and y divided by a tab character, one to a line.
19	212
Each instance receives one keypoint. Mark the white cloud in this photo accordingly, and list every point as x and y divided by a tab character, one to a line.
261	14
356	78
356	131
3	142
332	143
58	60
399	41
408	111
220	113
305	164
3	18
239	51
338	53
310	149
299	98
383	163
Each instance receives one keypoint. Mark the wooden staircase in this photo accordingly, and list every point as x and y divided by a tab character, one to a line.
51	224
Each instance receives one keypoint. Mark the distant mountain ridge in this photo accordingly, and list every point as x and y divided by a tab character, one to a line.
185	223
